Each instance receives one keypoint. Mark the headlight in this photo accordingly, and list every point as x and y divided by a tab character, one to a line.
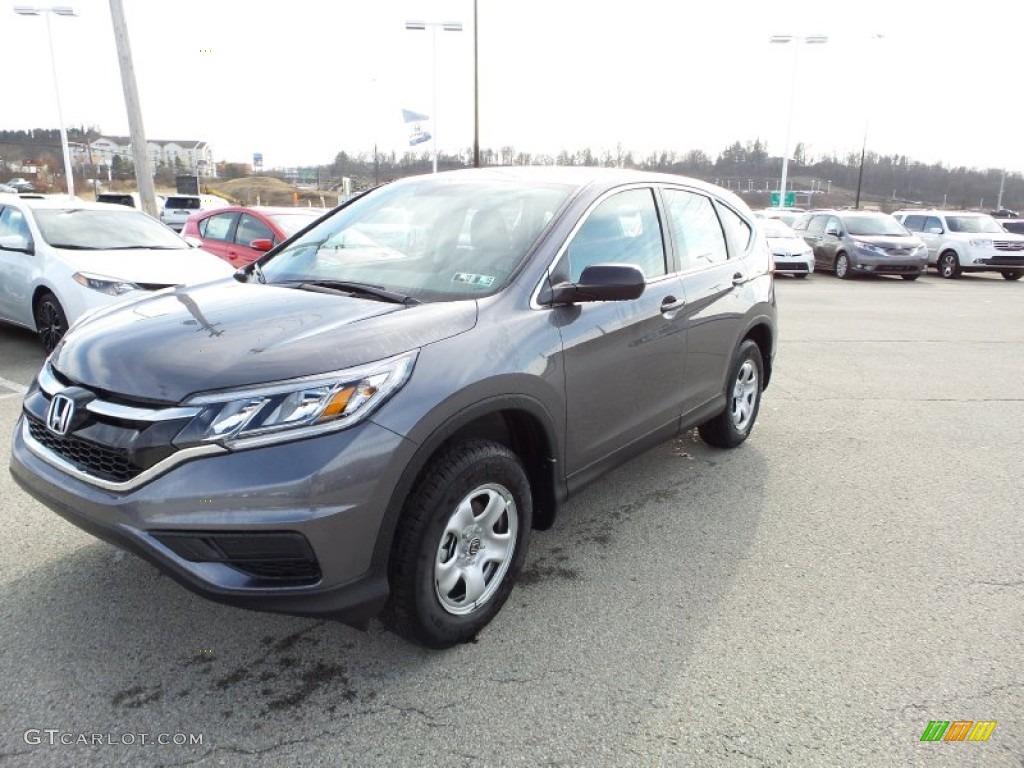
108	285
980	242
921	250
289	410
869	248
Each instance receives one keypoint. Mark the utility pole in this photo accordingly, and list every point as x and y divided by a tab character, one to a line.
140	149
999	200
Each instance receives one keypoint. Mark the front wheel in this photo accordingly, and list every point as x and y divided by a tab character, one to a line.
843	271
459	545
732	426
1013	274
948	265
51	322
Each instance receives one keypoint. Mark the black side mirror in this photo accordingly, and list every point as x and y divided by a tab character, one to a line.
601	282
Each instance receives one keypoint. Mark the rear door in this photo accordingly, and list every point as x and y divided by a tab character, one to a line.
709	240
217	233
624	360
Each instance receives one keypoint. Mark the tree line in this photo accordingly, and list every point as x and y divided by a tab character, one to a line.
740	165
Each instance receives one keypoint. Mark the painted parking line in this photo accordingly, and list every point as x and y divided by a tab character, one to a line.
15	387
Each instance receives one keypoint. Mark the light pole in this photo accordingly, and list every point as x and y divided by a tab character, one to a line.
447	26
864	145
797	40
59	10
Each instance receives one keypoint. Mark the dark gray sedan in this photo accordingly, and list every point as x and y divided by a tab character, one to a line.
359	423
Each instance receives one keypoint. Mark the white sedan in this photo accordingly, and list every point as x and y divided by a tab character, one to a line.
791	253
62	257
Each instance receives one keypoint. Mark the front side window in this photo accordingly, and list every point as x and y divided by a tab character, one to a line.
250	228
623	229
817	225
13	224
697	232
934	222
914	223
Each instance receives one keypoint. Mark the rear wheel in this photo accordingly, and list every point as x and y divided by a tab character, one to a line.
1013	274
732	426
459	545
948	265
843	271
51	322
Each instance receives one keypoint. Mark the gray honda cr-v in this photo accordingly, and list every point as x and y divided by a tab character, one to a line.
373	417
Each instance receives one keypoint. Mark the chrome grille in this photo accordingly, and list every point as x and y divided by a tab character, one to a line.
1008	245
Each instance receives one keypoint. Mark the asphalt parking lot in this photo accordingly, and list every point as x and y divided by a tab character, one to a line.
814	598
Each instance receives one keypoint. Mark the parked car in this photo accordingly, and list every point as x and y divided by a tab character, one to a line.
61	257
786	215
130	199
964	241
851	242
177	208
791	254
364	429
7	189
21	185
1016	226
240	235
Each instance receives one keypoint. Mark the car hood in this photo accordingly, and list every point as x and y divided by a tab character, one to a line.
792	244
150	266
229	334
890	241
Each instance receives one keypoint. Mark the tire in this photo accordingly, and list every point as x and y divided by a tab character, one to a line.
474	496
842	267
1012	274
51	322
745	384
910	278
948	265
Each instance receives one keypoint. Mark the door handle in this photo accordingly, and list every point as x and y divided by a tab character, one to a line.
671	304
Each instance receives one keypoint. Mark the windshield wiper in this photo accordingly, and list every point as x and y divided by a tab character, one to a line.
363	289
74	247
146	248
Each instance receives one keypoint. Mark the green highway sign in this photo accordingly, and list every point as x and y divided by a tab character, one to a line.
790	199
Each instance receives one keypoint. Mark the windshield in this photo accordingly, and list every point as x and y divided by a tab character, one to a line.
882	224
95	230
290	223
776	228
427	238
974	224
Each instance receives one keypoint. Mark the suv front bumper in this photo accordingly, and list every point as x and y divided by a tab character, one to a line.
290	528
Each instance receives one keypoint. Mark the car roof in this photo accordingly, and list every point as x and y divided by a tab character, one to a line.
941	212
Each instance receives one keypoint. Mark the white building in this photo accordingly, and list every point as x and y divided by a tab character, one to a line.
188	156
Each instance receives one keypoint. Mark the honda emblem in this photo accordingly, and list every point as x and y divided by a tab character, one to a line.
59	414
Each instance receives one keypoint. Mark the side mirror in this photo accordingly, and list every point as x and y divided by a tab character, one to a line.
832	231
262	244
17	243
602	282
195	242
934	230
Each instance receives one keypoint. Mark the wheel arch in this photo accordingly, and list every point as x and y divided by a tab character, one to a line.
762	335
518	422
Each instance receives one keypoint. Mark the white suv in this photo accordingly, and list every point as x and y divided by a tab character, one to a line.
965	241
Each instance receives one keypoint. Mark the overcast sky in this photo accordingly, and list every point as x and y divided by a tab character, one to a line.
302	80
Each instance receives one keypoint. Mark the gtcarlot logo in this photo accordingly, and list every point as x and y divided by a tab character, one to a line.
55	737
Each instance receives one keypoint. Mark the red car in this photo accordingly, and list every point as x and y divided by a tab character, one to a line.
240	234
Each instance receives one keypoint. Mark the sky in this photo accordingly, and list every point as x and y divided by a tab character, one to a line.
300	81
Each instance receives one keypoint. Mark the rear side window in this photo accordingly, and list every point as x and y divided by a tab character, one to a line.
737	231
933	222
698	234
217	227
187	203
817	225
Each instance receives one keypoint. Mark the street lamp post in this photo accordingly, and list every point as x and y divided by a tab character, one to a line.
59	10
447	26
797	40
864	145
